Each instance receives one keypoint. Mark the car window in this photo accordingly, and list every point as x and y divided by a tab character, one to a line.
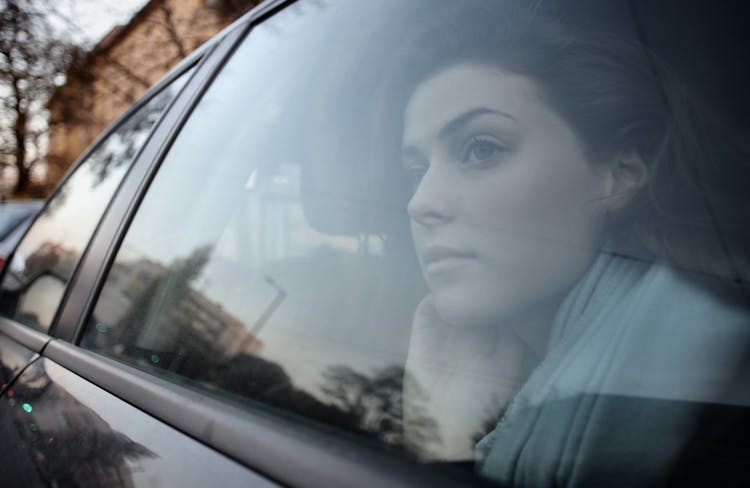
44	261
478	233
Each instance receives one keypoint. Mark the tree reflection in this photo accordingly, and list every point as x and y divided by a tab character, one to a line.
58	441
353	401
115	153
258	379
160	298
377	404
153	315
98	459
128	139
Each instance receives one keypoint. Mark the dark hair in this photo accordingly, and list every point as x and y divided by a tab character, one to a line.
694	210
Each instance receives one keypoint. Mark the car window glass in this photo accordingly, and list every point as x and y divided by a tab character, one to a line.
258	268
477	232
56	241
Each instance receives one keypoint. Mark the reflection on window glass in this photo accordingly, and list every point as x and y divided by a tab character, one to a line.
481	233
46	258
260	266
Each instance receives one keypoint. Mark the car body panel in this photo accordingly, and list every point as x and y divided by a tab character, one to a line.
13	358
61	430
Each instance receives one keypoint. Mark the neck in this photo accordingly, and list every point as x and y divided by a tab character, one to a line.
533	327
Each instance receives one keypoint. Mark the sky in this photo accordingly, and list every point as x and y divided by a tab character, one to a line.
93	19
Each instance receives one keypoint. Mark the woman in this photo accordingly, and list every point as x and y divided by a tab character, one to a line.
582	228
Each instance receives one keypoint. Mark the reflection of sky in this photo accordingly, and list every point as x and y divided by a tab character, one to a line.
71	217
83	207
92	19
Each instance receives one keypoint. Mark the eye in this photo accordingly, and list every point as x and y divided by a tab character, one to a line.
415	165
482	149
415	173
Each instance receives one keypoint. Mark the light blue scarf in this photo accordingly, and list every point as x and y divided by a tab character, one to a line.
634	349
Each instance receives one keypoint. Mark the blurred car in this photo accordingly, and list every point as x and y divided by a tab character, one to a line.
15	218
222	290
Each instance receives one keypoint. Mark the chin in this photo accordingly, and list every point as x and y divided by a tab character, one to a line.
465	308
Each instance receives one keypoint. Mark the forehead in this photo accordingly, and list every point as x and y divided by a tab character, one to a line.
461	88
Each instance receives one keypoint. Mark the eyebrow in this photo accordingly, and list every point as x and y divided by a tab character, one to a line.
411	152
459	122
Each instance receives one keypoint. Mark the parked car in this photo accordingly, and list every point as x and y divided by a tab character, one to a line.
15	218
398	243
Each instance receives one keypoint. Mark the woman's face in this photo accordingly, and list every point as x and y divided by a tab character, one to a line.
506	210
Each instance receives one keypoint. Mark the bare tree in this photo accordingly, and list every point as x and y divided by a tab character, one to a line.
33	61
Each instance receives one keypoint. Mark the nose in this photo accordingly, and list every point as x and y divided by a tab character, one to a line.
432	203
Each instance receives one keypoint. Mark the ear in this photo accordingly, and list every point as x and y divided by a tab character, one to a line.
627	172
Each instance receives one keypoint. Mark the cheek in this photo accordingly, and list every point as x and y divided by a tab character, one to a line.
536	233
541	201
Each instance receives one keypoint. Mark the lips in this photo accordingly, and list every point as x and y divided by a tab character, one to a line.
437	258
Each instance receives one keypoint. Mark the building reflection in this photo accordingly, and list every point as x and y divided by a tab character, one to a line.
179	319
